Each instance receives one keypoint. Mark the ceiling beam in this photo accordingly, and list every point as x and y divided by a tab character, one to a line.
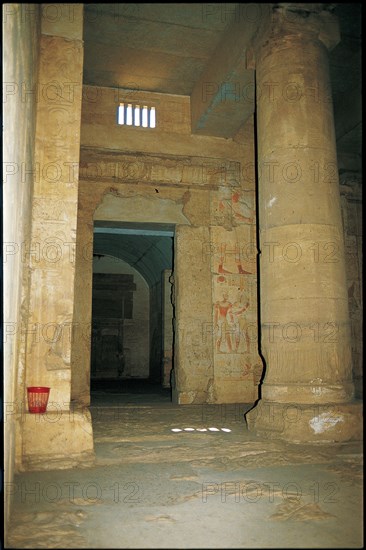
224	96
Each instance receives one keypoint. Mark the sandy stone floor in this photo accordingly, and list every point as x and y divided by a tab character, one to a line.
211	485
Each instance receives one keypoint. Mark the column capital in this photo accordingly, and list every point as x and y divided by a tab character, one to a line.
301	21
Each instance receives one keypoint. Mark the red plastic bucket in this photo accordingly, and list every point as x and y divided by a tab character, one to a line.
38	399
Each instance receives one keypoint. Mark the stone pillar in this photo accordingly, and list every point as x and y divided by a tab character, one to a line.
82	315
52	247
193	365
307	390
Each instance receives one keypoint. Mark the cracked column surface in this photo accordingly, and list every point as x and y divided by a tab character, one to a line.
307	391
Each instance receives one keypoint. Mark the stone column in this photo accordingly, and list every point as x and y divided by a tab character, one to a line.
307	390
61	434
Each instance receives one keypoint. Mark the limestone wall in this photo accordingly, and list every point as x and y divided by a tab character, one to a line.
205	187
351	202
21	26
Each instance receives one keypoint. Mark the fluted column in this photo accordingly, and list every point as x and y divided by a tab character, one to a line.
307	390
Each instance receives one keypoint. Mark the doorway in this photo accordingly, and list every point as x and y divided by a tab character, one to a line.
132	323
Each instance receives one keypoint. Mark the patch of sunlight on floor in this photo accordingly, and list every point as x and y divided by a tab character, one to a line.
200	429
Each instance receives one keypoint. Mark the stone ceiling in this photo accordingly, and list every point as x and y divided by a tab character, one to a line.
151	47
148	249
169	48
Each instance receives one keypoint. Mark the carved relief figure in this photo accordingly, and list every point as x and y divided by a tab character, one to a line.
222	309
238	261
235	314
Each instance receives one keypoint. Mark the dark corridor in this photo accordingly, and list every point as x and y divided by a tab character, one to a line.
111	392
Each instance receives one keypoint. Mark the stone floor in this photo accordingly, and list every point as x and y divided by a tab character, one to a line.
210	485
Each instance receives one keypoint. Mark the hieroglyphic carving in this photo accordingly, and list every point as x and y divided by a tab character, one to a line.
235	328
233	367
49	210
152	168
233	252
228	319
233	206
